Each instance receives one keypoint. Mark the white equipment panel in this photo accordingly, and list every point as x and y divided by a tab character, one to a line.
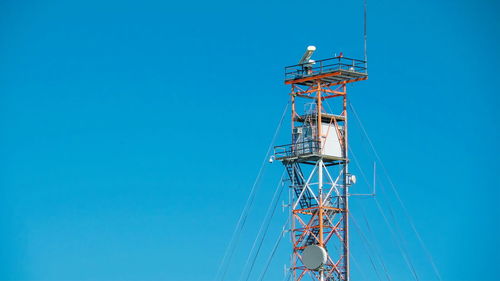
331	144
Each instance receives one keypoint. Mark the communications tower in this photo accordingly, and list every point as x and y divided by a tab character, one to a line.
317	165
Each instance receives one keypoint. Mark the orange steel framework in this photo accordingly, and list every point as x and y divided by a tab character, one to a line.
319	178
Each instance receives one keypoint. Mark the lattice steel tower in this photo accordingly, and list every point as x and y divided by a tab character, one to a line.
317	165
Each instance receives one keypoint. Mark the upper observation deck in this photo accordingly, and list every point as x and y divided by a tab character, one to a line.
333	71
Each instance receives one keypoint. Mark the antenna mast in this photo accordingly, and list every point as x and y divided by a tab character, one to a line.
364	33
316	162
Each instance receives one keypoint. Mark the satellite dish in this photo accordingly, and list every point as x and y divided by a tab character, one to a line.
314	257
307	55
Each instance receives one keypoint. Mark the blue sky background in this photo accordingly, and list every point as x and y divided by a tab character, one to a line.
132	131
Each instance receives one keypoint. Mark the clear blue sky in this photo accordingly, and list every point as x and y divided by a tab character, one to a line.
131	131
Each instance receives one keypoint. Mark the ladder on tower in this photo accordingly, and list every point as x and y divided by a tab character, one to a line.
298	184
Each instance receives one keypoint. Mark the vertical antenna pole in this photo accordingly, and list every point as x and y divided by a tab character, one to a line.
364	34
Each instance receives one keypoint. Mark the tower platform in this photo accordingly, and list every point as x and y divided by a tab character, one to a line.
333	71
308	151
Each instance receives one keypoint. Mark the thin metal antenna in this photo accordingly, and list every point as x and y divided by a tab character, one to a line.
364	34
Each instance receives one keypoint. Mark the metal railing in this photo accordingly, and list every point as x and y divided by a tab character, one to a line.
297	149
325	66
